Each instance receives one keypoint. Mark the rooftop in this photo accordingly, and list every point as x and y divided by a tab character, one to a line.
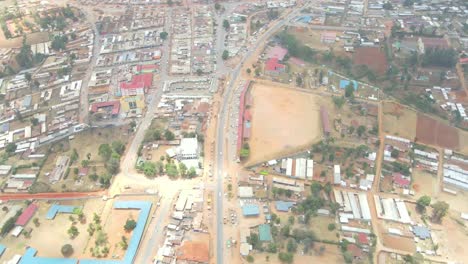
264	232
250	210
277	52
27	214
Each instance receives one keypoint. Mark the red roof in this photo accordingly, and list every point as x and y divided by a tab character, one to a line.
464	61
363	239
83	171
355	250
114	104
144	80
400	180
247	115
147	67
27	214
325	121
434	43
273	65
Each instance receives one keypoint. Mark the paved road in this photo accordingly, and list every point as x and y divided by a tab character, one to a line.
221	130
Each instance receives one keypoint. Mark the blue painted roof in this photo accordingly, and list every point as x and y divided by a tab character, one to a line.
344	83
28	258
422	232
264	232
250	210
2	249
284	206
143	206
62	209
305	19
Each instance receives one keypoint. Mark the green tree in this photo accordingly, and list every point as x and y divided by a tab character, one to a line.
315	188
248	70
182	169
105	151
149	169
130	224
67	250
163	35
250	259
422	203
118	147
73	232
226	24
285	257
85	163
59	43
217	6
299	81
349	90
225	55
8	226
10	148
361	130
439	211
291	246
395	153
339	101
331	226
291	219
168	135
348	257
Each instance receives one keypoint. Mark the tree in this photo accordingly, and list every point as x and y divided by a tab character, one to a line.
25	56
299	81
226	24
59	43
171	170
85	163
36	222
163	35
395	153
105	151
286	257
439	211
331	226
315	188
327	188
348	257
250	259
339	101
225	55
168	135
422	203
10	148
182	169
8	226
130	225
361	130
217	6
349	90
124	243
291	220
254	240
149	169
408	3
257	71
73	232
388	6
291	246
118	147
67	250
248	70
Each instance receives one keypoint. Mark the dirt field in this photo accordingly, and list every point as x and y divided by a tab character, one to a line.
319	225
283	121
49	245
463	141
311	38
451	237
331	255
372	57
436	133
424	183
399	121
399	243
32	38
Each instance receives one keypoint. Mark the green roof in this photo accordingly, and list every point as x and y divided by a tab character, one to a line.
264	232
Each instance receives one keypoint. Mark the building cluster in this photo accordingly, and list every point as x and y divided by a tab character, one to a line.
186	221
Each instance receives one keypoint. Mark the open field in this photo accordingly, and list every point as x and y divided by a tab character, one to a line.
283	121
49	245
452	238
424	183
311	38
433	132
399	120
33	38
373	57
399	243
319	225
331	255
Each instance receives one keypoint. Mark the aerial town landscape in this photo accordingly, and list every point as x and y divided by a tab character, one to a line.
219	131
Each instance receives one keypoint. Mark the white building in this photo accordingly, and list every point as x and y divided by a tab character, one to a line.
188	149
336	174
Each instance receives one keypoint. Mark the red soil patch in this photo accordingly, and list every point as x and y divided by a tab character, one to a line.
436	133
372	57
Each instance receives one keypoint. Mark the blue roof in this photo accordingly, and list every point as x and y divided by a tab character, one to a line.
27	100
264	232
250	210
284	206
305	19
57	208
28	258
144	207
422	232
2	249
344	83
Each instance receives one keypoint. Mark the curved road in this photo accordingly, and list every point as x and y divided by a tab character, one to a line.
220	131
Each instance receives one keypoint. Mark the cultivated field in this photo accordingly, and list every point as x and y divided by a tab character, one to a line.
283	121
373	57
399	120
433	132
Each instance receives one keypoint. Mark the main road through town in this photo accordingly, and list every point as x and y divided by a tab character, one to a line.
220	150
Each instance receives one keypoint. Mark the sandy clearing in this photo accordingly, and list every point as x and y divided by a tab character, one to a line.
399	121
283	121
424	183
